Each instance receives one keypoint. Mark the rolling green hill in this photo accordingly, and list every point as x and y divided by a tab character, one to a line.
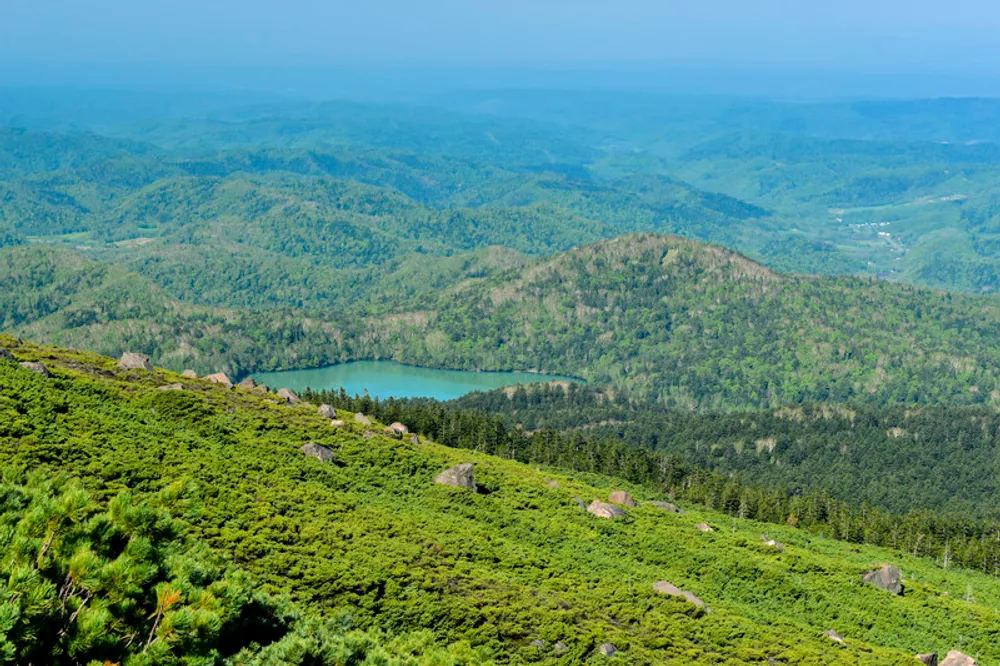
516	571
656	318
695	326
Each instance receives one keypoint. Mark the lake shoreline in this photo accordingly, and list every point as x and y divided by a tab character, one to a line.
384	378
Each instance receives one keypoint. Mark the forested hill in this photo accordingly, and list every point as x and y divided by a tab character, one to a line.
655	318
696	326
348	522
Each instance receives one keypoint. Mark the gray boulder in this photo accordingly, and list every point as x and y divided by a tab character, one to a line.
956	658
318	451
773	544
560	646
538	644
171	387
289	396
581	503
189	373
36	367
220	378
399	428
362	419
603	510
415	439
704	527
667	506
249	384
886	577
834	636
663	587
337	423
552	483
6	355
623	498
607	649
328	412
134	361
460	476
929	659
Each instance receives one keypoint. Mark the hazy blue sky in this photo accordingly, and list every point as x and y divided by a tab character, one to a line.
872	37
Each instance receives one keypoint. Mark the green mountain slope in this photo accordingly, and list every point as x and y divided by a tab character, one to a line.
696	326
516	562
656	318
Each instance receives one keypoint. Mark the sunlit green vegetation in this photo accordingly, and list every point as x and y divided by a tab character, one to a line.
371	536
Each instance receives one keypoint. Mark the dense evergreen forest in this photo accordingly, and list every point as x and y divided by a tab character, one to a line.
940	458
406	570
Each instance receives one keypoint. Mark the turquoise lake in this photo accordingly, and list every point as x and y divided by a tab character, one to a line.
388	378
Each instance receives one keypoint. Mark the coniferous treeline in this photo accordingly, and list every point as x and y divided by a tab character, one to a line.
952	540
899	458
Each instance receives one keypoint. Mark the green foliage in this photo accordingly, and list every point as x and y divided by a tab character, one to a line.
484	574
789	465
121	584
659	319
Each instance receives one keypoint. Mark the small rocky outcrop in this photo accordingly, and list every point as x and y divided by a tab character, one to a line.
834	636
956	658
667	506
134	361
560	646
338	423
328	412
171	387
289	396
580	503
664	587
389	432
318	451
704	527
249	384
538	644
362	419
604	510
886	577
399	428
220	378
6	355
607	649
552	483
928	659
771	543
460	476
414	439
36	367
189	373
623	498
368	434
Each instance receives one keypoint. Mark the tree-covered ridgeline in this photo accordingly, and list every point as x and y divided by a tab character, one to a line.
971	542
660	319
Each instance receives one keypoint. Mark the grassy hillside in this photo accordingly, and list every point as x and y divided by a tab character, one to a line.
517	562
